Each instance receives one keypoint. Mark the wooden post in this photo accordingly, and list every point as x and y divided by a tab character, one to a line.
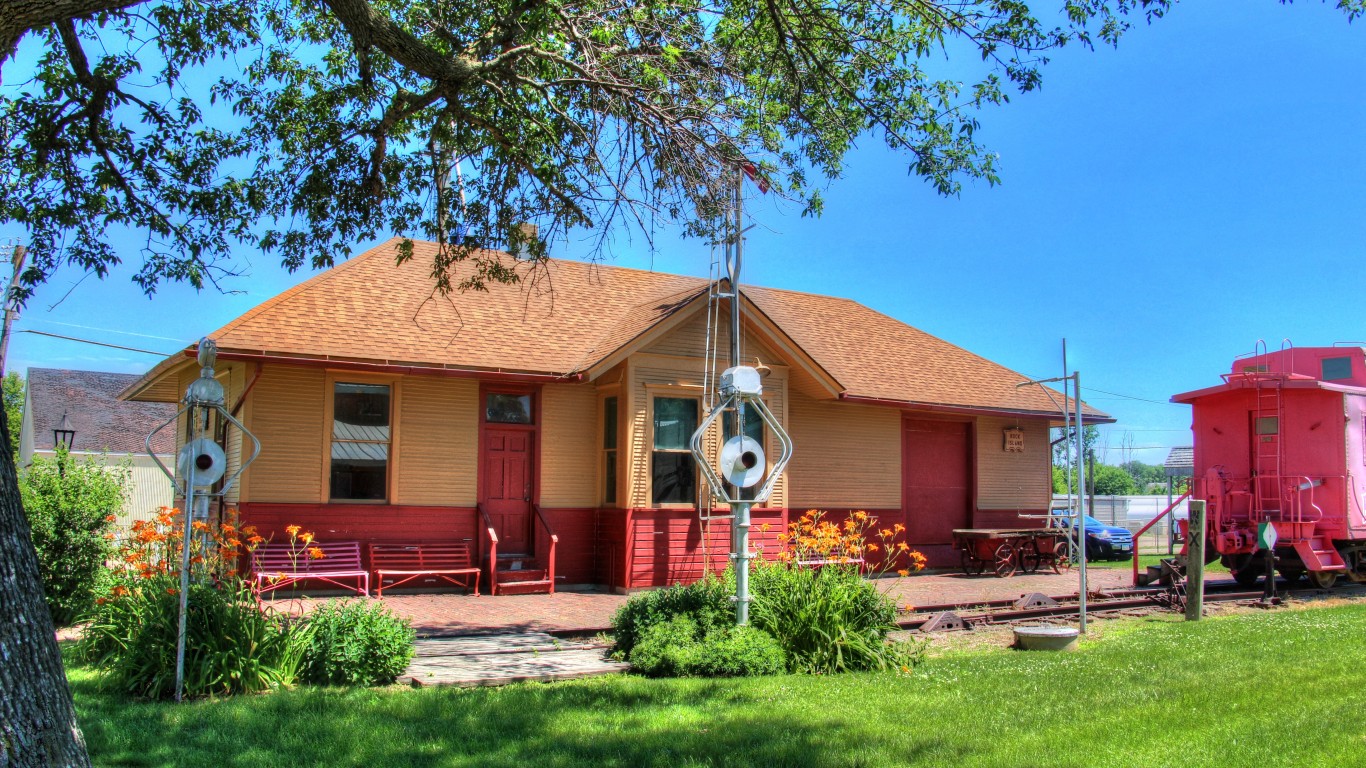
1195	562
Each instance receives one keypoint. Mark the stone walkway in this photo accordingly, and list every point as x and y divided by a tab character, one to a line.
505	658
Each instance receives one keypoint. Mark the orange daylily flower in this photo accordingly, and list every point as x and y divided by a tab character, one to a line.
316	553
293	530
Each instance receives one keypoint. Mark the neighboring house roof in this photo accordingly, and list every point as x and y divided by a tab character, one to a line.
90	401
574	316
1180	461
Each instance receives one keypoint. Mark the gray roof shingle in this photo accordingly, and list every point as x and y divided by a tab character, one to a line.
90	401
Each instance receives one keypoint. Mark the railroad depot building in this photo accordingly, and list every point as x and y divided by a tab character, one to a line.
563	407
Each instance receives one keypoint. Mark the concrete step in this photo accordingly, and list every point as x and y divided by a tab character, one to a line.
536	587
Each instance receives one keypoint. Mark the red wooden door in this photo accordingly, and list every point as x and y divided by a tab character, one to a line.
936	479
506	486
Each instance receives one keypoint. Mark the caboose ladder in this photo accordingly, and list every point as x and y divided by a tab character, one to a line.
1268	449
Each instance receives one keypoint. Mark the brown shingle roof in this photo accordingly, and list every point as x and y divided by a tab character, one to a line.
576	314
876	356
102	421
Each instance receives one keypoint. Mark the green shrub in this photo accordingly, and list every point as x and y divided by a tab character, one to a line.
667	648
828	620
357	643
71	508
679	648
707	602
231	646
739	652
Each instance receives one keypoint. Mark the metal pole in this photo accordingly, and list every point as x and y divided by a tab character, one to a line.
1066	428
739	509
185	568
1195	563
18	261
741	531
735	278
1080	528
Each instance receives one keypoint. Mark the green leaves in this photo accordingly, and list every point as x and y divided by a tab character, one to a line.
304	128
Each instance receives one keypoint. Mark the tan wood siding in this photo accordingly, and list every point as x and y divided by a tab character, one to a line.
690	340
438	452
847	456
287	417
570	445
1012	480
234	383
653	376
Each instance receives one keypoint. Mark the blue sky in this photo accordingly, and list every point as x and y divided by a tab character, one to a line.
1163	206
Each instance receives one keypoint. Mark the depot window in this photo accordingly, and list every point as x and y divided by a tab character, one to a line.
754	429
361	437
673	474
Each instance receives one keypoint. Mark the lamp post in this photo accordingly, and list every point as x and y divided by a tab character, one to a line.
63	434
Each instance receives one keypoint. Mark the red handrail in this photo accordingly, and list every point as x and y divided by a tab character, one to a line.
1153	522
550	554
493	550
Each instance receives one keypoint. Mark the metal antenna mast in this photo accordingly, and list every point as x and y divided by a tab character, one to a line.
202	463
742	460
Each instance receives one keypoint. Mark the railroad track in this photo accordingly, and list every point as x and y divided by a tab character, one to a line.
1037	606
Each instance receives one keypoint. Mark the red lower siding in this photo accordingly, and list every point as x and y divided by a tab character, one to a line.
667	546
630	549
577	551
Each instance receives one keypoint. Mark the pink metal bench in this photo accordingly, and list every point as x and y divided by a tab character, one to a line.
442	560
279	565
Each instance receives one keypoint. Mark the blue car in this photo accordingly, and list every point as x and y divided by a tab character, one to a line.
1103	542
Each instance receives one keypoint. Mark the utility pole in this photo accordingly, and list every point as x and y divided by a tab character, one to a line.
17	256
1079	521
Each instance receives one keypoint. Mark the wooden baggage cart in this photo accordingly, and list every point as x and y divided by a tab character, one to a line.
1007	550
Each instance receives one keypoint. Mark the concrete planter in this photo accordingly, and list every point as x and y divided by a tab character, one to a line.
1046	638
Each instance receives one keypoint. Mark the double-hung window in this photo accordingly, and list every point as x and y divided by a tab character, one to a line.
673	474
361	436
609	450
754	429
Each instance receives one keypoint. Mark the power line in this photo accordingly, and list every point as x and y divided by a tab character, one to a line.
96	343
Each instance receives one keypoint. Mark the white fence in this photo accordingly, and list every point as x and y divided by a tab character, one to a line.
1133	512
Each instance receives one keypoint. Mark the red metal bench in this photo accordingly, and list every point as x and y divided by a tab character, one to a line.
279	565
443	560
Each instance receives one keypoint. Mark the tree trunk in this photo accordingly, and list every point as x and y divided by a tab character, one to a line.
37	717
18	17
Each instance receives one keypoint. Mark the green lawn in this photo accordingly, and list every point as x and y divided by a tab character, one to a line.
1267	689
1147	560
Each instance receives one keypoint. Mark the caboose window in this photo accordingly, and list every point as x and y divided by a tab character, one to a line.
1336	368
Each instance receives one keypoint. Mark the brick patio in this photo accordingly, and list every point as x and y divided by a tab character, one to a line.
454	614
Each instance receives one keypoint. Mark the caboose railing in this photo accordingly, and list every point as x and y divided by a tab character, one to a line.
1164	513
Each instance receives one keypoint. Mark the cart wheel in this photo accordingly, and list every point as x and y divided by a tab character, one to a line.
1029	557
1004	561
1062	556
971	565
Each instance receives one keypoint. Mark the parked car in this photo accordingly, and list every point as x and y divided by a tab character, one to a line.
1103	542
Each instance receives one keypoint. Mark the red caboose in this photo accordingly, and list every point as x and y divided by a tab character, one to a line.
1283	441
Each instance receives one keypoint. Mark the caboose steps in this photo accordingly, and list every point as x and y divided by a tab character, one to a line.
1319	555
